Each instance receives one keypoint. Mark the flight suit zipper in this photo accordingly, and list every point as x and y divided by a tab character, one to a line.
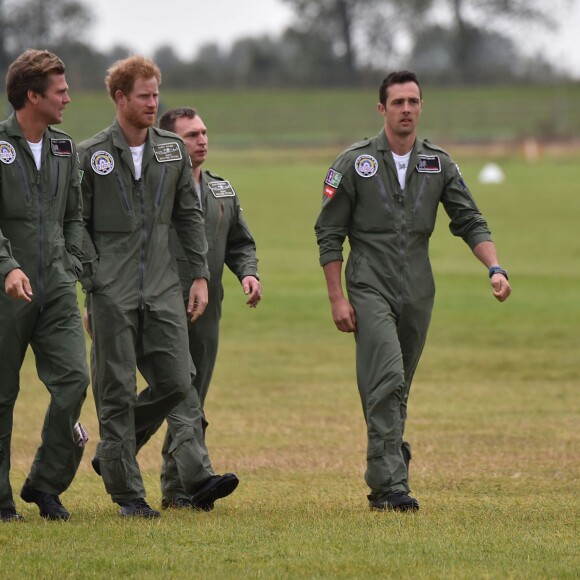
41	230
159	194
383	192
419	199
142	253
56	173
400	197
220	220
27	192
124	196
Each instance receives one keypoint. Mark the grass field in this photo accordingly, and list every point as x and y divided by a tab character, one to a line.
286	117
494	411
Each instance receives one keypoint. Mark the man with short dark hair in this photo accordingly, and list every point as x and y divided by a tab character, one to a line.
383	193
40	258
229	243
137	182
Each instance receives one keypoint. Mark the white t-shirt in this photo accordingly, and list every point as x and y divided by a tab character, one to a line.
197	186
36	149
401	163
137	153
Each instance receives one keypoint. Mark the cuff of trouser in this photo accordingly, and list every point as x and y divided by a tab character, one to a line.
120	483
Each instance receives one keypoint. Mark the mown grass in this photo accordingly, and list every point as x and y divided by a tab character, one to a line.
493	419
293	117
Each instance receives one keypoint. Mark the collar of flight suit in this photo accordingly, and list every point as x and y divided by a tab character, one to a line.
382	144
120	143
14	130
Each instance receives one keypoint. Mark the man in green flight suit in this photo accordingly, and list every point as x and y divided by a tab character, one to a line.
229	242
383	193
137	182
40	257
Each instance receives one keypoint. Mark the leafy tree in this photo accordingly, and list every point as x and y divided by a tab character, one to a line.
358	33
41	24
462	34
486	31
166	58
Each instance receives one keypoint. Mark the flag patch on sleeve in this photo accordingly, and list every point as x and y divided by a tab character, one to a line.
329	191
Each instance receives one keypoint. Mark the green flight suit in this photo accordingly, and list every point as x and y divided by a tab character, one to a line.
229	243
137	312
41	233
389	279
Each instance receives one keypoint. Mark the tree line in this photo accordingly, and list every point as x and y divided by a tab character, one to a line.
328	43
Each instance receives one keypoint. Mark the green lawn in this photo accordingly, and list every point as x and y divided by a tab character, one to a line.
298	118
494	411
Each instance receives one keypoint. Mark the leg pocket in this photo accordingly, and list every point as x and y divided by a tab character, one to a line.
120	474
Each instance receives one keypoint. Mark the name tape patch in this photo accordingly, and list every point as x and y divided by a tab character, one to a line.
61	147
167	152
221	189
429	164
7	152
366	165
102	162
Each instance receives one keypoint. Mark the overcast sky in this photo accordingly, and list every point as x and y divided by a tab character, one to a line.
144	25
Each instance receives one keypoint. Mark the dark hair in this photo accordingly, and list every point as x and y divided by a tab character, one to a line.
122	74
167	120
31	71
397	78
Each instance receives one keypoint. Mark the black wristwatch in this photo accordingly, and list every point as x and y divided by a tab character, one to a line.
498	270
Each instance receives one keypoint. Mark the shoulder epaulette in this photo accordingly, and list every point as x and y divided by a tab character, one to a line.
165	133
358	145
55	130
214	175
95	139
430	145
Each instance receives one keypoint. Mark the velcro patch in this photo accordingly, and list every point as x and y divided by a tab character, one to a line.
61	147
167	152
102	162
221	189
329	191
333	178
366	165
7	152
429	164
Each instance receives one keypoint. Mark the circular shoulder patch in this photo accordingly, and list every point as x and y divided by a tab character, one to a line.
366	165
102	162
7	152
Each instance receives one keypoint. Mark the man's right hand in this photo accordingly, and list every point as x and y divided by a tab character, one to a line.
17	285
86	323
342	310
343	315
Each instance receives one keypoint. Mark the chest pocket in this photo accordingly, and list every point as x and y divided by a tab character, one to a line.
58	188
16	191
375	204
426	202
112	204
163	192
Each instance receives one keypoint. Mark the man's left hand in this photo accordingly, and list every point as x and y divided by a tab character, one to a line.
252	289
501	287
197	298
